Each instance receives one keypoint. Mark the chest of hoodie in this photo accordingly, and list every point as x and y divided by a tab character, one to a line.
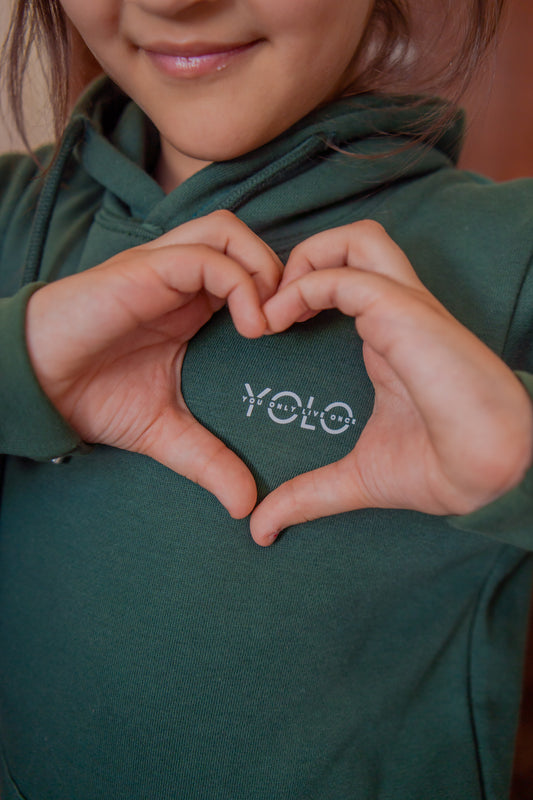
286	404
133	566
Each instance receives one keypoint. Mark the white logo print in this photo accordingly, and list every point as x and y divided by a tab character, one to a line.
286	407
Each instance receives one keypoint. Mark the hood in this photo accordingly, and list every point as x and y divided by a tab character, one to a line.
340	156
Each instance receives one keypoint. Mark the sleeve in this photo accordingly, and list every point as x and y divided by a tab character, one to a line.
510	518
29	424
20	187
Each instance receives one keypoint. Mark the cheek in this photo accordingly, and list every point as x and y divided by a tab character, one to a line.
318	16
95	20
328	31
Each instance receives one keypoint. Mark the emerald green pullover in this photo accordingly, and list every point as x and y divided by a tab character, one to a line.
149	650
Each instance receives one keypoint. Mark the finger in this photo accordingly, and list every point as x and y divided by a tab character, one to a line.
182	444
141	285
388	314
390	318
222	277
364	245
71	321
350	291
433	356
225	232
332	489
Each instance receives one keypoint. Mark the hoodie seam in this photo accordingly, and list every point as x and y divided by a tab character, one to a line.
281	169
126	228
14	787
47	200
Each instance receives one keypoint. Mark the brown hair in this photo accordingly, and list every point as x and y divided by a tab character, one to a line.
66	61
43	24
403	50
439	47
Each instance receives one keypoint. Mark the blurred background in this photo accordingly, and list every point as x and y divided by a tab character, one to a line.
499	143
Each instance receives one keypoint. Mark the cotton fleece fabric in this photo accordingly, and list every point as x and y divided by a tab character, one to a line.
148	648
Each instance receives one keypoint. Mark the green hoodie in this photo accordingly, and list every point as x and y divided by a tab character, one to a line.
148	648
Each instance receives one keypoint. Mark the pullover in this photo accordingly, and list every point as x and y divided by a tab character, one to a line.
148	648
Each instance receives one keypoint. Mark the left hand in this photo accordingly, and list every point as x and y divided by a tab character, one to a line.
107	344
452	426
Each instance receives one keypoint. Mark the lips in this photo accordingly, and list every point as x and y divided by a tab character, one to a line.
195	60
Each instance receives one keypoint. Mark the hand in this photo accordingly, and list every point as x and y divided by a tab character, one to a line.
107	344
452	427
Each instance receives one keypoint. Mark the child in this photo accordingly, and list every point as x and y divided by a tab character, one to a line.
148	647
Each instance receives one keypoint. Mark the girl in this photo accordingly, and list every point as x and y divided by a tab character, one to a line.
148	647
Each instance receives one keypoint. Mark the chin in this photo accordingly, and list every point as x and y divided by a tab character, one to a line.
219	151
209	143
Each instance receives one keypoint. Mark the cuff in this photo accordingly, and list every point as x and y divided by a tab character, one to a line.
30	426
510	517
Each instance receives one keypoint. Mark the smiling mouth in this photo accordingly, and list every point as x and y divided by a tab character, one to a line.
196	60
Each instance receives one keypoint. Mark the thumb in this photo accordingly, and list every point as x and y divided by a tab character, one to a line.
186	447
331	489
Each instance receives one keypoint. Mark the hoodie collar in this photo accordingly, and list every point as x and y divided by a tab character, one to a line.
348	150
371	139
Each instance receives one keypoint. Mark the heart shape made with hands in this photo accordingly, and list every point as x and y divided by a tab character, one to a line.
451	427
411	453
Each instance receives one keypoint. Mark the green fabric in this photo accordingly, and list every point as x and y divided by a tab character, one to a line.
510	517
43	434
148	648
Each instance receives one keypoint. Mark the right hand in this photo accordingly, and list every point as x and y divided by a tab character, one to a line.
452	426
107	345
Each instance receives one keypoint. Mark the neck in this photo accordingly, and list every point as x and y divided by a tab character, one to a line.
174	167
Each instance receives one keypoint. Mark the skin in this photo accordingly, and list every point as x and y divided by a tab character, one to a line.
302	58
452	427
113	367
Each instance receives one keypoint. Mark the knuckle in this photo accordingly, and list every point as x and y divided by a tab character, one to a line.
369	228
201	253
222	215
272	271
300	247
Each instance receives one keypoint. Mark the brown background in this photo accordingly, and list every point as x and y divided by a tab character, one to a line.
500	106
500	144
